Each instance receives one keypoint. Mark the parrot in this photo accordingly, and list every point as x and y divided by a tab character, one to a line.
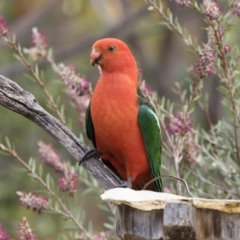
120	121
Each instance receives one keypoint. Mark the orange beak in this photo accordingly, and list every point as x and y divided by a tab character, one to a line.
95	57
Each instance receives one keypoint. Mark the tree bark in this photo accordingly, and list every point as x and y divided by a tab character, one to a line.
16	99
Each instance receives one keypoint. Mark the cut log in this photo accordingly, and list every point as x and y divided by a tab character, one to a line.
146	215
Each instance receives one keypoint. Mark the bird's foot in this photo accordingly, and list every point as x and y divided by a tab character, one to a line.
126	184
89	154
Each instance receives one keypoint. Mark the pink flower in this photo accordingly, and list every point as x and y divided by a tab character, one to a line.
146	90
102	235
227	48
39	48
211	9
236	8
50	157
205	65
190	149
179	124
24	231
35	202
38	39
183	3
3	235
210	35
77	86
3	28
81	104
69	182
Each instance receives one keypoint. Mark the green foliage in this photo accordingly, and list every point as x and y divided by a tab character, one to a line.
207	158
206	154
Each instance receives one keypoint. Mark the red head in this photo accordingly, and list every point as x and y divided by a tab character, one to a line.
113	55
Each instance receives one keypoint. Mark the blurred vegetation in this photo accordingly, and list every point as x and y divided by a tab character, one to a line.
71	28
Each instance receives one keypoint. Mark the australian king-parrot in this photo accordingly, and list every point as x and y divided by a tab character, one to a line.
120	122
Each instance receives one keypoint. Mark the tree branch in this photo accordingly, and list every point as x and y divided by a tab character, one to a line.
16	99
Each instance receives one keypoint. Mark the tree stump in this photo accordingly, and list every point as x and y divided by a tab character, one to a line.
146	215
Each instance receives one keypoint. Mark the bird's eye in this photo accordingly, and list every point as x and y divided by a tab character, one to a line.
111	48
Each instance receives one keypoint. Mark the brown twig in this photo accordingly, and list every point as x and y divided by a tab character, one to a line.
169	176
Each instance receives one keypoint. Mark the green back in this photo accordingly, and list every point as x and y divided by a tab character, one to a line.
151	133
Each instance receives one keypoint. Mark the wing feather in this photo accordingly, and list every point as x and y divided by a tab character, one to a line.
151	133
89	125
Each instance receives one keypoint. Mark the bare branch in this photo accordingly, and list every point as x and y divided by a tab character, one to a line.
13	97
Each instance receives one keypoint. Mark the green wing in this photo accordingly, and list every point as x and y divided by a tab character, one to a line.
89	125
151	132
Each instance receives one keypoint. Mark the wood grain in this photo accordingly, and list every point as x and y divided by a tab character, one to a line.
146	215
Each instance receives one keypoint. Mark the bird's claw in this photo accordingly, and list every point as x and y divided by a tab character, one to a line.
89	154
126	184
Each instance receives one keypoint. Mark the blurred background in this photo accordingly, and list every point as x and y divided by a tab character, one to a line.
71	27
